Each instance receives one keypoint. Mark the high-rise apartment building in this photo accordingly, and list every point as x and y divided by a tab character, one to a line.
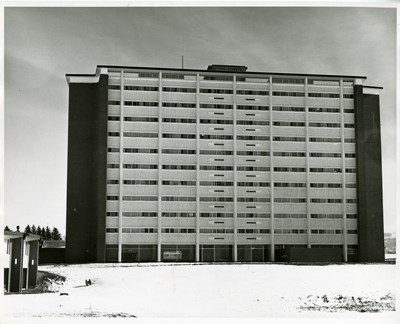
222	165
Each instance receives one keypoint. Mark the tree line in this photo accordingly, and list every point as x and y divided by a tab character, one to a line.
45	232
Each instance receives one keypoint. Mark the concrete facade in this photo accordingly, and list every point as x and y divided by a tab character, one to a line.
221	165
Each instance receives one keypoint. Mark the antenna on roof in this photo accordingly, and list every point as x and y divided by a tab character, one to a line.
182	62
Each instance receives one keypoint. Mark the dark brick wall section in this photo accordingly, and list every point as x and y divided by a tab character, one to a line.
33	263
369	177
87	167
16	265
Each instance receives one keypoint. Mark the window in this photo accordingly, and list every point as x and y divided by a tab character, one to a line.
113	118
289	169
178	183
351	201
217	137
324	95
216	215
252	138
288	215
289	124
331	125
114	102
133	134
287	94
178	214
253	122
216	121
140	166
290	231
142	119
216	183
140	198
348	96
111	230
178	105
139	230
179	120
349	140
351	216
294	109
113	150
179	135
212	152
290	154
140	88
325	155
290	200
253	184
141	103
252	199
252	168
253	153
178	167
325	185
114	87
173	89
350	170
178	230
326	216
176	151
112	198
326	200
287	80
113	166
349	125
290	184
219	91
348	111
216	106
351	185
324	110
325	139
289	139
252	92
216	231
140	150
177	198
141	182
219	199
216	167
253	230
253	215
112	214
139	214
112	181
350	155
113	133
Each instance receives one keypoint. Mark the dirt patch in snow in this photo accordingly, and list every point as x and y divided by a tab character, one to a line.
341	303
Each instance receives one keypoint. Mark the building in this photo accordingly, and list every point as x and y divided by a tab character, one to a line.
21	261
222	165
52	252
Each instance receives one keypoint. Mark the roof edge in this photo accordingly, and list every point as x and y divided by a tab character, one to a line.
208	71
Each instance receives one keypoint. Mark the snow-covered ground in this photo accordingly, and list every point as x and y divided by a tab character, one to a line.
225	290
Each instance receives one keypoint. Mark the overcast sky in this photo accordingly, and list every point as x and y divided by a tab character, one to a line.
43	44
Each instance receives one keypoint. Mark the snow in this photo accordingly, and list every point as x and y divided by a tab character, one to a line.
196	290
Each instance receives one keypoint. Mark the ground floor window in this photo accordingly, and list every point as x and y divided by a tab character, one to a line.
216	253
253	253
132	253
178	253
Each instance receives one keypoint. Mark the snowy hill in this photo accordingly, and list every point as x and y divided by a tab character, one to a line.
234	290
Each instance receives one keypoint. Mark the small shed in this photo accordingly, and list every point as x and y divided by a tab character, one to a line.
21	261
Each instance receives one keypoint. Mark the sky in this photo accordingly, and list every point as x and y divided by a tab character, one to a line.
41	45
